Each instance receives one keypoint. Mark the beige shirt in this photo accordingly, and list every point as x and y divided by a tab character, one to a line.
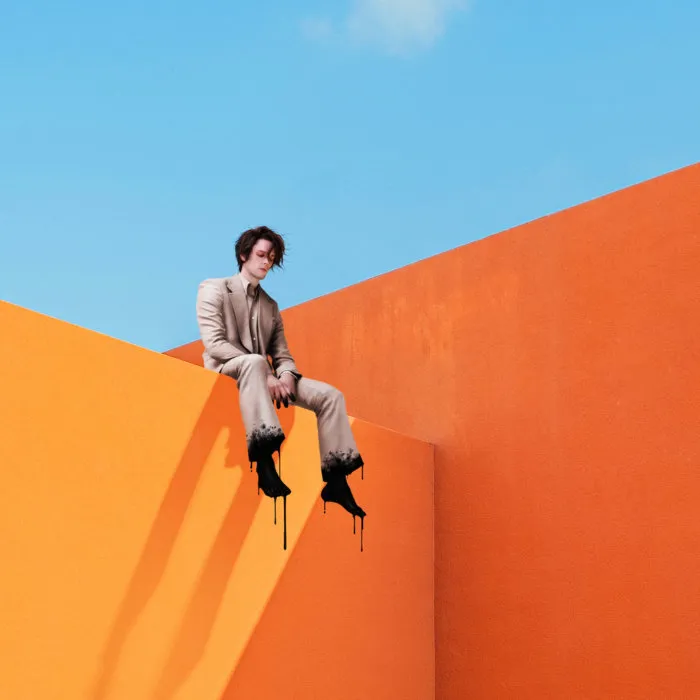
252	296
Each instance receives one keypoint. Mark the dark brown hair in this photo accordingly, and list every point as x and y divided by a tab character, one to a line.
249	238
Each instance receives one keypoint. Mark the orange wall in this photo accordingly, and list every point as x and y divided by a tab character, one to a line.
139	561
555	366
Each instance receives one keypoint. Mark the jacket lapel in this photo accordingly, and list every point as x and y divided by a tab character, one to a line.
240	310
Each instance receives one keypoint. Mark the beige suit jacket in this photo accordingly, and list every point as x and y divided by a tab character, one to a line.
222	315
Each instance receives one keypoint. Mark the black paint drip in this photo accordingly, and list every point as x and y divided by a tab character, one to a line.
284	501
362	530
337	490
281	493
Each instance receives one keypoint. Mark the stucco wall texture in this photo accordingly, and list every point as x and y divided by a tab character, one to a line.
555	367
140	563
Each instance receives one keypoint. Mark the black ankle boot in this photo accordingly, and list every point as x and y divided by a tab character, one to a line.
337	490
269	480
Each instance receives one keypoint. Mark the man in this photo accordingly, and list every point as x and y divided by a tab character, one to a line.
240	326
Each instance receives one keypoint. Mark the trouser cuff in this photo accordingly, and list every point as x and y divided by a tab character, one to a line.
340	463
263	441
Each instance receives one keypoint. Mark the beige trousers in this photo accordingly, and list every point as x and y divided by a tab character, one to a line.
264	434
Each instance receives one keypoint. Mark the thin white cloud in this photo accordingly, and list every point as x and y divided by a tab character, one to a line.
398	26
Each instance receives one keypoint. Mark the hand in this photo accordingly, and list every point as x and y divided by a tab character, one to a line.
279	393
290	382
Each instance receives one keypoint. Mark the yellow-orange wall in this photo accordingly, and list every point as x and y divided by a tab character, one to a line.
139	562
556	368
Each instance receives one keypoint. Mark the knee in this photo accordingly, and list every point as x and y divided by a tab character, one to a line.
333	396
254	363
245	365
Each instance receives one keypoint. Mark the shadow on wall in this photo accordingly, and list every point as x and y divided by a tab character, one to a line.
197	622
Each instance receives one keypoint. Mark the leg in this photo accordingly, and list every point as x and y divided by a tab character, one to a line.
264	434
336	442
339	455
263	431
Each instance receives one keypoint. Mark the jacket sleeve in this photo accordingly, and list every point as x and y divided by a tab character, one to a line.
282	360
210	317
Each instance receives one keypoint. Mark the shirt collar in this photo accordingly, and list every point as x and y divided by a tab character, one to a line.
249	288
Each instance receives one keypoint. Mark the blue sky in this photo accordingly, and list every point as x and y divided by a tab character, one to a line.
138	139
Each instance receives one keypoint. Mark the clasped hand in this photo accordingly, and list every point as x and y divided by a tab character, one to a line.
283	390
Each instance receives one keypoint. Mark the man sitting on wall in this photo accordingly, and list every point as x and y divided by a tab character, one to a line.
240	326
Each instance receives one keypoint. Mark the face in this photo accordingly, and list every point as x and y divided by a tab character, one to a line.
260	260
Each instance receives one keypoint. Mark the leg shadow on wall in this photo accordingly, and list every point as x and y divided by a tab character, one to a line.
219	412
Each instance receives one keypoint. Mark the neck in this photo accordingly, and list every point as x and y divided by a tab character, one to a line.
249	278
